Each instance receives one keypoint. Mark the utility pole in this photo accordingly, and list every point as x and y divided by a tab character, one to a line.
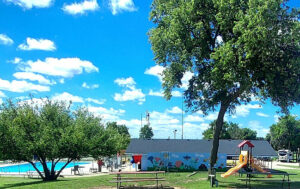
141	120
148	118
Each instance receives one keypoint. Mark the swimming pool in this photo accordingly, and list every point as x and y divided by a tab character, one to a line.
28	167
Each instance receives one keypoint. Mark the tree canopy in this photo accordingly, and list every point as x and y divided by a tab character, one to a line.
235	50
50	132
146	132
123	131
286	133
230	131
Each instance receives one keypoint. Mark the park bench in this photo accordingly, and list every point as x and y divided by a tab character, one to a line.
120	178
249	178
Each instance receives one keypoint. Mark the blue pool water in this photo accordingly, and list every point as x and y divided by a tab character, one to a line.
28	167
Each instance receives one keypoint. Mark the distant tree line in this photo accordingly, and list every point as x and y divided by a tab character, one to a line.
230	131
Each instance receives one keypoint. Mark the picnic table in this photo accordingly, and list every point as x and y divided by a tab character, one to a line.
123	179
249	178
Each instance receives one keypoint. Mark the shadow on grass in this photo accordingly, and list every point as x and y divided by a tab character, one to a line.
260	185
20	184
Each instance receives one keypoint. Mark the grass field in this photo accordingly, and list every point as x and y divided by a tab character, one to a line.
180	180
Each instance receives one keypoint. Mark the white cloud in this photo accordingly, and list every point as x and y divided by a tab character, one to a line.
62	81
160	93
185	79
67	97
261	131
16	60
37	44
155	93
262	114
176	94
194	118
243	110
212	116
129	95
158	118
81	8
156	70
5	40
276	118
126	82
102	101
21	86
33	77
28	4
2	95
85	85
122	5
174	110
64	67
106	114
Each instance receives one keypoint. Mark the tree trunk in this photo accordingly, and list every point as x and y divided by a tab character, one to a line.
217	131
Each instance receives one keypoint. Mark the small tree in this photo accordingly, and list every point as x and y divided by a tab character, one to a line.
50	132
286	133
234	50
146	132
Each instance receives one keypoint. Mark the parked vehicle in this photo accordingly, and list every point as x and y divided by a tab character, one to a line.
285	155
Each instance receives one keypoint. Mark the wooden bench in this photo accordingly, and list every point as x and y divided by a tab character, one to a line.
119	179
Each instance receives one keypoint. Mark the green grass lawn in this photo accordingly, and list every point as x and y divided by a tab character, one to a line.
172	179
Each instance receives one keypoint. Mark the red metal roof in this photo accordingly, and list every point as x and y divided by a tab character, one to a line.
242	144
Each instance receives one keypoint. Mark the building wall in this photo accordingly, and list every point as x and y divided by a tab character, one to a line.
180	161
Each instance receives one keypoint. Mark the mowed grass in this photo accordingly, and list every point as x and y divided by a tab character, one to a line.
181	180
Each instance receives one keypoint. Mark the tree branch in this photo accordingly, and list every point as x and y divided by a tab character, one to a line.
33	165
58	173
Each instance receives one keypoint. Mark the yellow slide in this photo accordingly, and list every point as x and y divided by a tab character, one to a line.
243	159
233	170
257	167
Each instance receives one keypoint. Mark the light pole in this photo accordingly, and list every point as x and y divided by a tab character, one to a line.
175	133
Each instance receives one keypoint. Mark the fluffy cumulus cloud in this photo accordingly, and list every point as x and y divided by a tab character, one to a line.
244	110
262	114
174	110
118	6
93	86
194	118
5	40
67	97
261	131
64	67
81	8
21	86
28	4
110	114
160	93
33	77
130	93
126	82
16	60
185	79
2	95
95	101
156	71
37	44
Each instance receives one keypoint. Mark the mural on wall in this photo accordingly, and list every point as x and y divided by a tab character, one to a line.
180	161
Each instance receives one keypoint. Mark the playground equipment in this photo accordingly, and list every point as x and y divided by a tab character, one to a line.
246	160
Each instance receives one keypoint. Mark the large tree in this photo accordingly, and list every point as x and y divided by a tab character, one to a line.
123	131
286	133
236	49
51	132
146	132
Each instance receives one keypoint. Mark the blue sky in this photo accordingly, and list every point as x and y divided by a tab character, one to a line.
97	54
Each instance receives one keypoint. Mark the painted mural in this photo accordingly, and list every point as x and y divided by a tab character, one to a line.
180	161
